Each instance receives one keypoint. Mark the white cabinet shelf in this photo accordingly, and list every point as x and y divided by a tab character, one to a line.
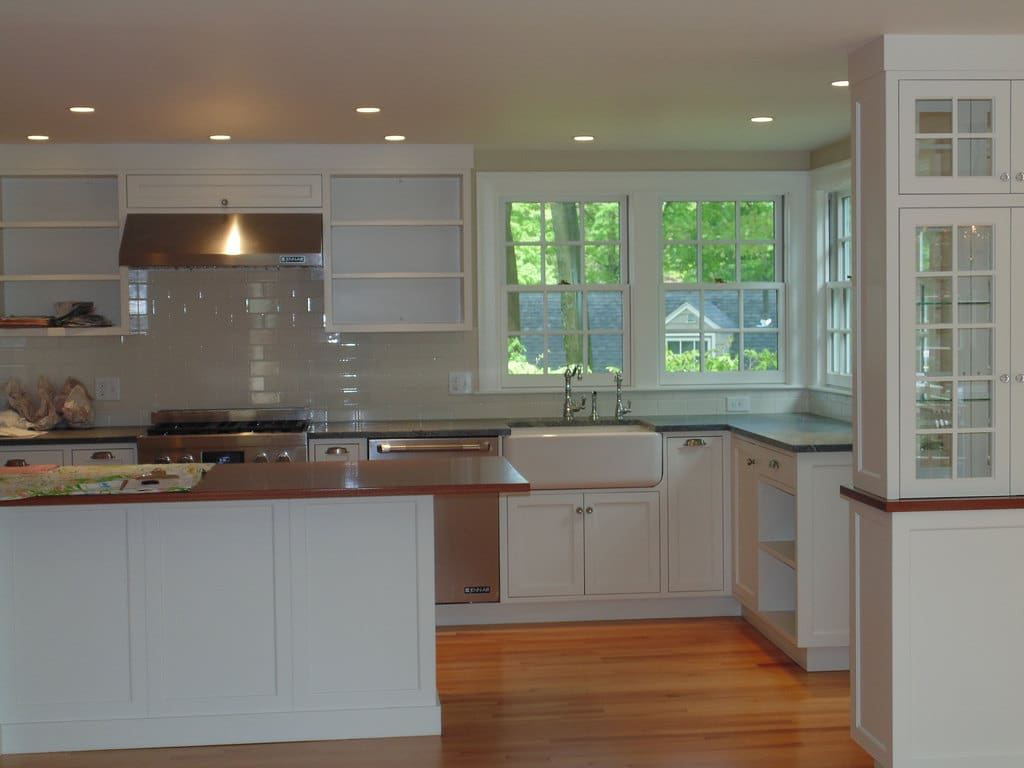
790	540
398	254
59	237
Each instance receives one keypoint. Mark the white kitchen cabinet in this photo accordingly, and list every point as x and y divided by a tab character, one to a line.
114	454
790	542
590	543
695	474
327	449
59	238
65	454
957	136
72	630
399	255
225	190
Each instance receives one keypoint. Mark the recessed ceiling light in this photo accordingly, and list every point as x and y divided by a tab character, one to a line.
841	83
82	110
220	137
367	110
37	137
761	119
394	137
582	138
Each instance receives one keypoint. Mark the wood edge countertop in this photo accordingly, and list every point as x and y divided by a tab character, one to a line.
941	504
428	476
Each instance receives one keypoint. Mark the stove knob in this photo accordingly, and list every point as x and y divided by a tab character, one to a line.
165	459
261	458
187	458
283	457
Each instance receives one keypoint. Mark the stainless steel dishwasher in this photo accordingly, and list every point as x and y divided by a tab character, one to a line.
465	527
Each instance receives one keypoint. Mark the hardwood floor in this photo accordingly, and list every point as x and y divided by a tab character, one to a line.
688	693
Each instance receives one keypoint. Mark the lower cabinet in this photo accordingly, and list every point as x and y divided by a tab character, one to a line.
791	550
583	543
696	513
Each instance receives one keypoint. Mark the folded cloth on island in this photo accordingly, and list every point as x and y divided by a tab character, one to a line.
14	425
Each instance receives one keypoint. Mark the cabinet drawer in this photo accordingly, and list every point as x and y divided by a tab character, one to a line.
31	456
236	190
102	455
780	467
338	450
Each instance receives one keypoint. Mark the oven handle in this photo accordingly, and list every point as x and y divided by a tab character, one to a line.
432	447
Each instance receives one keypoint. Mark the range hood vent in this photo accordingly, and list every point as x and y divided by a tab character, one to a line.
222	240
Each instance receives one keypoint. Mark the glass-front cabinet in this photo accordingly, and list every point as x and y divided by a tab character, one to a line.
956	137
955	352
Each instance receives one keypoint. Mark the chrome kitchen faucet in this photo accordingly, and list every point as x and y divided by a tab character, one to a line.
569	407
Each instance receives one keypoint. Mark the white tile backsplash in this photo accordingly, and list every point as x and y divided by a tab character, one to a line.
237	337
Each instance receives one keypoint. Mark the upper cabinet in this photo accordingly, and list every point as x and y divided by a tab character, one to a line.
59	238
961	136
398	253
224	190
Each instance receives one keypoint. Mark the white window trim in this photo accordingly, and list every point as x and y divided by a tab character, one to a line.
644	356
825	181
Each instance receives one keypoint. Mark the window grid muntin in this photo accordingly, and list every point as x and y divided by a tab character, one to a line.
839	288
741	287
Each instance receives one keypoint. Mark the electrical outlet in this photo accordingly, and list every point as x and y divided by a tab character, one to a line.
737	403
460	382
107	388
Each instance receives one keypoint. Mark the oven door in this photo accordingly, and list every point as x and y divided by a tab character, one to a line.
465	527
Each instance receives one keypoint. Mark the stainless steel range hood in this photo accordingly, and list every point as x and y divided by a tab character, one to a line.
222	240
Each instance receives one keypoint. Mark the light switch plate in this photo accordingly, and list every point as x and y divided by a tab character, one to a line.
460	382
107	388
737	403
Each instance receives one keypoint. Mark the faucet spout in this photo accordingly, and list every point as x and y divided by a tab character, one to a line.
620	409
569	406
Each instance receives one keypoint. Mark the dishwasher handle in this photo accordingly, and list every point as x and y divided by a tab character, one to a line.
482	447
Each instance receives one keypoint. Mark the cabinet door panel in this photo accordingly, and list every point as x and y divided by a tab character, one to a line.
545	545
338	450
955	352
240	190
622	543
744	521
695	514
955	136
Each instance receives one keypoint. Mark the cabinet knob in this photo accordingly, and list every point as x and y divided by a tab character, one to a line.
1019	378
696	442
773	463
590	510
336	450
1004	176
751	462
224	200
1019	176
102	455
579	510
1005	378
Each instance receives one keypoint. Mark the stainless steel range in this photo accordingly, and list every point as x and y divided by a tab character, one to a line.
230	436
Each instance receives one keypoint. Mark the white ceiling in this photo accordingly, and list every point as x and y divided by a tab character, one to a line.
637	74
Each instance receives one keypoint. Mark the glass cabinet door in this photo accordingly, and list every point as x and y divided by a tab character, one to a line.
954	352
954	137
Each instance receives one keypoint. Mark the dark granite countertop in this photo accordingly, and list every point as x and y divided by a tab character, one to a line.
797	432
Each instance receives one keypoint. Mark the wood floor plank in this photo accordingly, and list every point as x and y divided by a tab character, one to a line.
685	693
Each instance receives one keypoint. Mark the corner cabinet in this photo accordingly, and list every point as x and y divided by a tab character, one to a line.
59	237
399	255
791	550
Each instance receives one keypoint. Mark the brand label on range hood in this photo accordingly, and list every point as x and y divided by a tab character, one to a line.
292	260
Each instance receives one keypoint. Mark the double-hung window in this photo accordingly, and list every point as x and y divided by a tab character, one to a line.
564	294
721	288
838	291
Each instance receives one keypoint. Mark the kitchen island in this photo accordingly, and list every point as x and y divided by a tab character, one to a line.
269	603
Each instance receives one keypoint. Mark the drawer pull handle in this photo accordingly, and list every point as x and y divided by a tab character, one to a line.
102	455
16	463
751	462
774	464
336	450
432	447
696	442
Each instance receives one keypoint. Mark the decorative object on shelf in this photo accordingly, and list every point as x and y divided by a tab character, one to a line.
71	405
78	314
